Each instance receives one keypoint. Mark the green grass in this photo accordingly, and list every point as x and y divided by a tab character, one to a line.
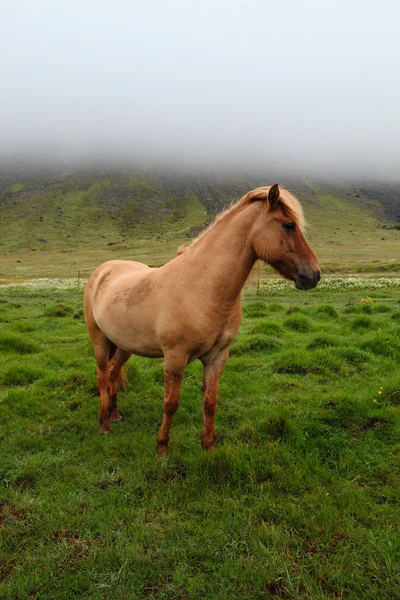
300	500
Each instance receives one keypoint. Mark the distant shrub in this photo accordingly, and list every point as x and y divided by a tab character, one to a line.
367	304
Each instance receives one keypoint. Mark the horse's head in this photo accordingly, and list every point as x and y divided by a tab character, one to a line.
278	237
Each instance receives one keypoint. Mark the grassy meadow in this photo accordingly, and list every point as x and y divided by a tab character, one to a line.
301	499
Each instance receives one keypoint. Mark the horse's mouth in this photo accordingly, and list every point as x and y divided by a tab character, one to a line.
307	281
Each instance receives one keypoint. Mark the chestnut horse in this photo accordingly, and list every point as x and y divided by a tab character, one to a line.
190	307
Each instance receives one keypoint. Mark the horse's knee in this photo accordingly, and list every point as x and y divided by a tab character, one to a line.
170	406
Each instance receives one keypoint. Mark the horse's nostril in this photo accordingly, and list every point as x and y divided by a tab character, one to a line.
318	276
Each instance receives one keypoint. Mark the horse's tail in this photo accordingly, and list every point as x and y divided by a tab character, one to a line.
122	377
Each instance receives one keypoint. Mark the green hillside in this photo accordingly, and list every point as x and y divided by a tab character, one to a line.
62	224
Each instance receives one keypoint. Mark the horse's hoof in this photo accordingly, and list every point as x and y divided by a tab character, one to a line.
161	457
209	447
116	420
162	451
105	431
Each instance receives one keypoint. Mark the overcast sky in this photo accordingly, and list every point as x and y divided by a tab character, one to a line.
309	84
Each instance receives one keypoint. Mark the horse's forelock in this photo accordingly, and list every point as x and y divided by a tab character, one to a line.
289	203
292	208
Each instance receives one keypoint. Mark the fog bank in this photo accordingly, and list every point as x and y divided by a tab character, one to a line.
298	85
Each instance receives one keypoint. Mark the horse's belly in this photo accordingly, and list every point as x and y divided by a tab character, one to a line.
134	339
133	333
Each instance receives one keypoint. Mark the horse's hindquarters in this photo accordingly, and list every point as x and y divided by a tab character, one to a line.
120	300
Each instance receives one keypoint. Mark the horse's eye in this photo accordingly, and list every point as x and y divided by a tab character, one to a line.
289	226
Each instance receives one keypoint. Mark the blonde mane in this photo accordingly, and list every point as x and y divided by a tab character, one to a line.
289	204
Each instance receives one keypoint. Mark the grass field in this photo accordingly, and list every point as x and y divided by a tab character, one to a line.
301	499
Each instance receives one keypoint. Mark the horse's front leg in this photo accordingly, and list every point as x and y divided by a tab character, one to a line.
174	367
211	376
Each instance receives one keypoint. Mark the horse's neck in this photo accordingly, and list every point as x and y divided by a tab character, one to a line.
223	258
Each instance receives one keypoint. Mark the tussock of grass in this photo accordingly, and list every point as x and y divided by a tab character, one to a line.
353	356
255	343
362	323
381	308
58	310
327	311
266	328
323	341
273	428
299	323
274	307
255	310
353	309
292	363
20	375
392	394
18	344
382	345
295	310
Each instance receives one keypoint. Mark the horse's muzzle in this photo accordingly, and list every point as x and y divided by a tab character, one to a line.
306	280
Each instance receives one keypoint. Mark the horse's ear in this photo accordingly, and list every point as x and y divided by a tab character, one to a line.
273	195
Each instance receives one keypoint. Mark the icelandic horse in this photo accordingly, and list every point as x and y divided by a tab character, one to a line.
191	307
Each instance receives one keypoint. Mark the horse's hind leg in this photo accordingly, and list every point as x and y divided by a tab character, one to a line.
101	346
211	376
103	376
118	360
